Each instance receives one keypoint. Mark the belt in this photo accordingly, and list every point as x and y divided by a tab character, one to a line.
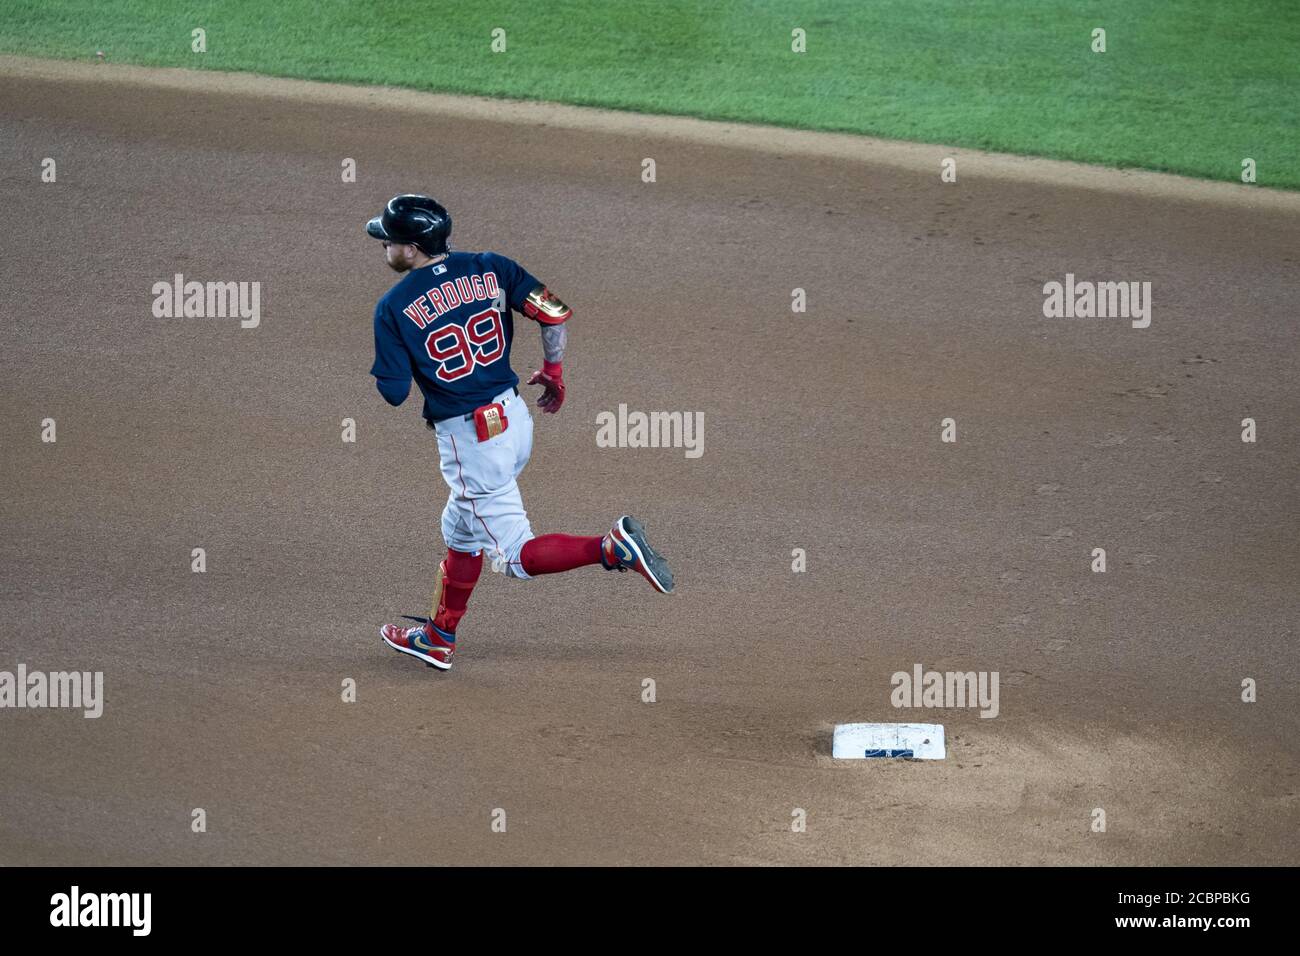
469	417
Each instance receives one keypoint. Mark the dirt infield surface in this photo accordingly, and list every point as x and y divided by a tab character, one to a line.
222	690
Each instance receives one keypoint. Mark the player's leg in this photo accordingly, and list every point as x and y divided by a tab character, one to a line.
434	642
524	556
555	553
470	471
457	575
624	548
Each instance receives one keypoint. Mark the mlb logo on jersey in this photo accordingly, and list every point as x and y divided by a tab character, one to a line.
441	299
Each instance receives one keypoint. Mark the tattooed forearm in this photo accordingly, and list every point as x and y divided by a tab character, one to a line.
554	338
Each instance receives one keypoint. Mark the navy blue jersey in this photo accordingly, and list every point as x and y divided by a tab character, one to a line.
449	326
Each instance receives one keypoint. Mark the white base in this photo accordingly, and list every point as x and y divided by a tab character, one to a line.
861	741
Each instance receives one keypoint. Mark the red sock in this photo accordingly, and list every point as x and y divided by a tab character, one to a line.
552	553
457	576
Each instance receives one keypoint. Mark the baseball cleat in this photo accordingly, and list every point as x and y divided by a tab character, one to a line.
626	547
427	643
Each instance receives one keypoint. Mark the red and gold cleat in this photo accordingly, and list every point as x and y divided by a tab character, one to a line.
430	644
626	548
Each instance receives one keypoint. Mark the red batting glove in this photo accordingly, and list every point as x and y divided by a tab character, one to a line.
551	378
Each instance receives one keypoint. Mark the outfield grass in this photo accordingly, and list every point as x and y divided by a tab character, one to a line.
1188	86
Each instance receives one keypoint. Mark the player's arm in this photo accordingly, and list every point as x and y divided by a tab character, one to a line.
529	297
544	307
392	368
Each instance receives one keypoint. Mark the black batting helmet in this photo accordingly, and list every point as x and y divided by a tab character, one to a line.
419	220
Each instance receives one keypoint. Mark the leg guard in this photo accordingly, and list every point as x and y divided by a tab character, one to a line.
457	575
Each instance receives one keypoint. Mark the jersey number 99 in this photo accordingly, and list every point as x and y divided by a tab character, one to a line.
459	349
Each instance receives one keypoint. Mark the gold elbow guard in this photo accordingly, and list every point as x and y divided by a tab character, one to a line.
545	307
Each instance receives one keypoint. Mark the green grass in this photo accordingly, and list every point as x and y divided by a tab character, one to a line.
1188	86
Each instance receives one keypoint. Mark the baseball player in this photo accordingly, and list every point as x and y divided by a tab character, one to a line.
449	325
